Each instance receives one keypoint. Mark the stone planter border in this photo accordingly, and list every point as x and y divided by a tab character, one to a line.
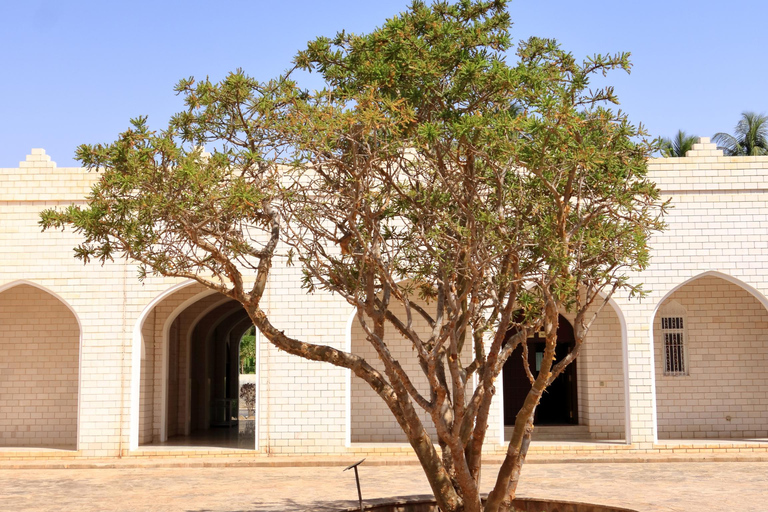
427	504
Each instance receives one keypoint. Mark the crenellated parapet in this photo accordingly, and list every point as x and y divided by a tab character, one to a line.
38	178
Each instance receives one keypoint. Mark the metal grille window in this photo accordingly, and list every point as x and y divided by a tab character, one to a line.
673	330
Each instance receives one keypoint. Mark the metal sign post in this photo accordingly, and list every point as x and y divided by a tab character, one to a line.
357	479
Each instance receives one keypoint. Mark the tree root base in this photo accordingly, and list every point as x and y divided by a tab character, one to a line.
427	504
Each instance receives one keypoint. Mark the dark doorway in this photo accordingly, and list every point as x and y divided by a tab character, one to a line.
558	406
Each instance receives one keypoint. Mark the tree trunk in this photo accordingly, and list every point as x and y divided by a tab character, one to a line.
518	466
518	448
509	473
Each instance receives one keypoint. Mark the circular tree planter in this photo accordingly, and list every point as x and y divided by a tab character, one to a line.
422	504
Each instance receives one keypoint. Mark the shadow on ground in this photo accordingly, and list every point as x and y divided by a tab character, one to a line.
291	505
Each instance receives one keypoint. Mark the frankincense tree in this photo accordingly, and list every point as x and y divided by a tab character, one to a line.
427	169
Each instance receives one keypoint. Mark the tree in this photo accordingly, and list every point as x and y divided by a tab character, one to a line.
248	352
750	138
248	396
678	146
428	169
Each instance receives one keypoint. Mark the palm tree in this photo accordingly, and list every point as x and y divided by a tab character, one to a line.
678	146
751	138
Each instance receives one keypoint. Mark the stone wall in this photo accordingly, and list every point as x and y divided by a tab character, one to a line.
39	360
724	392
718	228
372	421
601	379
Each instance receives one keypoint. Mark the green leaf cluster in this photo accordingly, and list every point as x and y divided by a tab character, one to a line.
430	167
446	161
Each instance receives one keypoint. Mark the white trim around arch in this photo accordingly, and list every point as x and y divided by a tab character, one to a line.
625	366
257	409
133	435
708	273
348	383
21	282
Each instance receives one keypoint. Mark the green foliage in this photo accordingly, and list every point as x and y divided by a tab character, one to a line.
248	352
428	167
750	136
678	146
460	157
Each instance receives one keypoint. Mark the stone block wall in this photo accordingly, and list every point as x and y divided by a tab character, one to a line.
717	228
725	390
39	363
303	404
601	378
372	421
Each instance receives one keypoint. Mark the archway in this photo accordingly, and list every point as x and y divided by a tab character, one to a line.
39	369
559	405
190	372
215	383
710	338
370	420
592	405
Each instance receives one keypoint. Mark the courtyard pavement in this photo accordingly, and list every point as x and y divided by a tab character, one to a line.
646	487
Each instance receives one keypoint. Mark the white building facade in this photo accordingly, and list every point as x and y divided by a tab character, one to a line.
94	363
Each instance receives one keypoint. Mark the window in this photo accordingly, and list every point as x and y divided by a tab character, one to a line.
673	331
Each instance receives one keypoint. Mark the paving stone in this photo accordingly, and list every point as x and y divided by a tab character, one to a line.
651	487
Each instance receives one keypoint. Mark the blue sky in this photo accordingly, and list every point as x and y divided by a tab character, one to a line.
75	72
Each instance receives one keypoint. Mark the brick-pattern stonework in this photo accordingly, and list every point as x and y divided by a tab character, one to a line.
39	358
147	389
372	422
138	354
725	393
601	395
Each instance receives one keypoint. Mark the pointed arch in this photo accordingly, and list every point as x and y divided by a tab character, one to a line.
79	350
616	309
20	282
179	314
715	336
625	366
713	273
136	348
165	349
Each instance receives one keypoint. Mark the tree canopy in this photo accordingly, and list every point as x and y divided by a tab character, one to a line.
428	168
750	137
677	146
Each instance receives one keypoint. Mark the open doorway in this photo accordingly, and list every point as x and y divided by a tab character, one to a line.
191	384
559	405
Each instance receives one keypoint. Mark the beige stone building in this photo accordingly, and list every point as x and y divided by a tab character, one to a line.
94	363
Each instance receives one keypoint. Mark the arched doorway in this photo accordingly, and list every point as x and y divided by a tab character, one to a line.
559	405
189	391
710	337
39	369
214	374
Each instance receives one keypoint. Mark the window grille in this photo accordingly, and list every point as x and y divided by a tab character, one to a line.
674	346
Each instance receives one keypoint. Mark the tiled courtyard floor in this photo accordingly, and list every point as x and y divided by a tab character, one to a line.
690	487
